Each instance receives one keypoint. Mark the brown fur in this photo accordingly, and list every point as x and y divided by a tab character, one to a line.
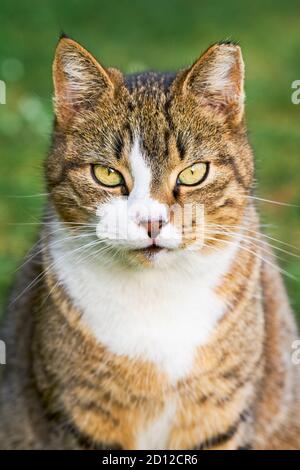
60	388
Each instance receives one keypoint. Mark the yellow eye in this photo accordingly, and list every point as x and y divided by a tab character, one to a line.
107	176
193	175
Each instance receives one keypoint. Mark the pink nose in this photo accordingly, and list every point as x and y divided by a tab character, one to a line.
153	227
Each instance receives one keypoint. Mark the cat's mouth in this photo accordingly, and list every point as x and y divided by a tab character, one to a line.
152	250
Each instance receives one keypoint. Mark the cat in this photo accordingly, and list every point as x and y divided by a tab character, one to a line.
126	329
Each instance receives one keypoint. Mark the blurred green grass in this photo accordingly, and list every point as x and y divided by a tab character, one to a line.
133	35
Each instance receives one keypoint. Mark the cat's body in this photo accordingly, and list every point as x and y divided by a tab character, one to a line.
174	349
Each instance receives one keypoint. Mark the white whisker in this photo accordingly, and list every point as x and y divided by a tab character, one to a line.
263	259
270	201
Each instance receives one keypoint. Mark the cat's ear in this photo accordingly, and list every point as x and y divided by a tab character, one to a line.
79	80
217	80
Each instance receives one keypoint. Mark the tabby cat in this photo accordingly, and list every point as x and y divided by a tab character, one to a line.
149	340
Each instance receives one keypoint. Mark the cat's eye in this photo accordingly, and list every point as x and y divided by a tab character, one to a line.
193	175
107	176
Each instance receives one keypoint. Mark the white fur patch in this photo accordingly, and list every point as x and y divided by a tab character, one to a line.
160	314
141	173
219	78
155	436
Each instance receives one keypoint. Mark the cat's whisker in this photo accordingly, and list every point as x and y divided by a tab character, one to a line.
51	244
44	272
265	260
17	196
248	229
79	260
258	240
263	246
64	224
103	247
70	238
270	201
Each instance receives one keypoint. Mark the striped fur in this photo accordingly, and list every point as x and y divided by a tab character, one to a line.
113	346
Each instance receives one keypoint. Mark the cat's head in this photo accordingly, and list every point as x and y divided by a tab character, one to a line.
150	163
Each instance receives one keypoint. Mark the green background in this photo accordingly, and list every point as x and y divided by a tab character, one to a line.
134	35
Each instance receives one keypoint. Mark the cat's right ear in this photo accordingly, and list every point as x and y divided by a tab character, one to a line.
216	79
79	80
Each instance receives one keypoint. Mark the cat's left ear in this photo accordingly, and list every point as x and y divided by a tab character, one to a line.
79	80
217	80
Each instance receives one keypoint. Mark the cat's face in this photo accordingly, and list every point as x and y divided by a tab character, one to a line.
150	163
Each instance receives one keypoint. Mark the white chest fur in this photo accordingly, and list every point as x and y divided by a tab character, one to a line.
156	314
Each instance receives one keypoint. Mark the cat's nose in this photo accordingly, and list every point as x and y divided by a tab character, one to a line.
153	227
